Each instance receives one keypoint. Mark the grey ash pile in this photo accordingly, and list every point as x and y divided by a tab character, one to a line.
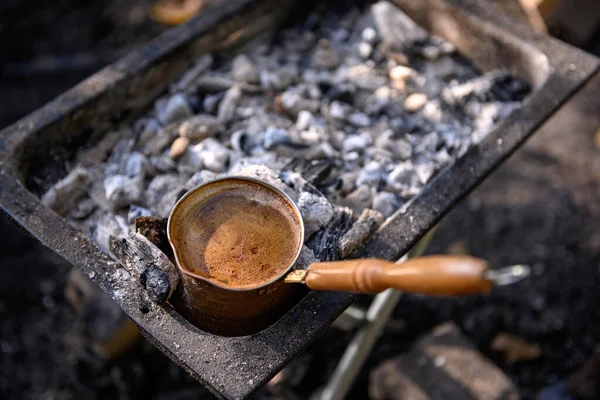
357	110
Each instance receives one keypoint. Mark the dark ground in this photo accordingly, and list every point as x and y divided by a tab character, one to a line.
541	208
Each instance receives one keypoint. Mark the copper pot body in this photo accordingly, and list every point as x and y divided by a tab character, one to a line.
213	306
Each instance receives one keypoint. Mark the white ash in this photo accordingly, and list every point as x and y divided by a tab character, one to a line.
305	120
121	190
200	127
173	109
137	166
201	177
163	164
228	105
110	225
163	192
371	175
211	102
191	158
264	173
386	203
305	258
275	136
316	211
156	145
359	199
395	27
66	193
294	103
83	209
244	70
147	130
357	143
368	94
137	211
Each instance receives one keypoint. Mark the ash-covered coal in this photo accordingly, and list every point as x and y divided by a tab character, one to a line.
358	110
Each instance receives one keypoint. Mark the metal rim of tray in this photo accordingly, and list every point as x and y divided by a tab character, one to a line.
236	367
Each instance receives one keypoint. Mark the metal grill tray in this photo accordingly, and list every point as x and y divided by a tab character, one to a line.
236	367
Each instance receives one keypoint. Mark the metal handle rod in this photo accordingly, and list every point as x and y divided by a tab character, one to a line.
360	347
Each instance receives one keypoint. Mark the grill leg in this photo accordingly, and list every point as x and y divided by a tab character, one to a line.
376	318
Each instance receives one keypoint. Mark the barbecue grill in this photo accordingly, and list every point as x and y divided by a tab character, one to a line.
234	367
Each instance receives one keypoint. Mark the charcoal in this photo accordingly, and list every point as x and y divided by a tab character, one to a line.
188	81
395	27
155	230
339	111
213	154
402	178
159	187
192	159
163	164
274	136
109	226
365	49
357	143
137	211
305	119
65	193
386	203
210	104
227	106
367	223
359	199
316	211
293	103
137	166
366	78
359	119
121	151
371	175
359	110
173	109
83	209
100	151
200	127
325	56
425	171
241	141
305	258
200	177
399	147
264	173
121	190
146	263
156	145
280	79
315	172
244	70
401	72
348	180
370	35
326	243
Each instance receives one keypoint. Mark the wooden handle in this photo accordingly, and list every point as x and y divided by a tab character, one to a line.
447	275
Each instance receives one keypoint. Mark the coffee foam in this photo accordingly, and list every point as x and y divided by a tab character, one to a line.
240	238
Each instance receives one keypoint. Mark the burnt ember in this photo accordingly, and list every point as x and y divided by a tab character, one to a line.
155	230
156	282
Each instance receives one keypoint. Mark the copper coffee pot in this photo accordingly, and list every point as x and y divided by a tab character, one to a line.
221	307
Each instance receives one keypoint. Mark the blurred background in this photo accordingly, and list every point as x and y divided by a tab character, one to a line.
542	207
